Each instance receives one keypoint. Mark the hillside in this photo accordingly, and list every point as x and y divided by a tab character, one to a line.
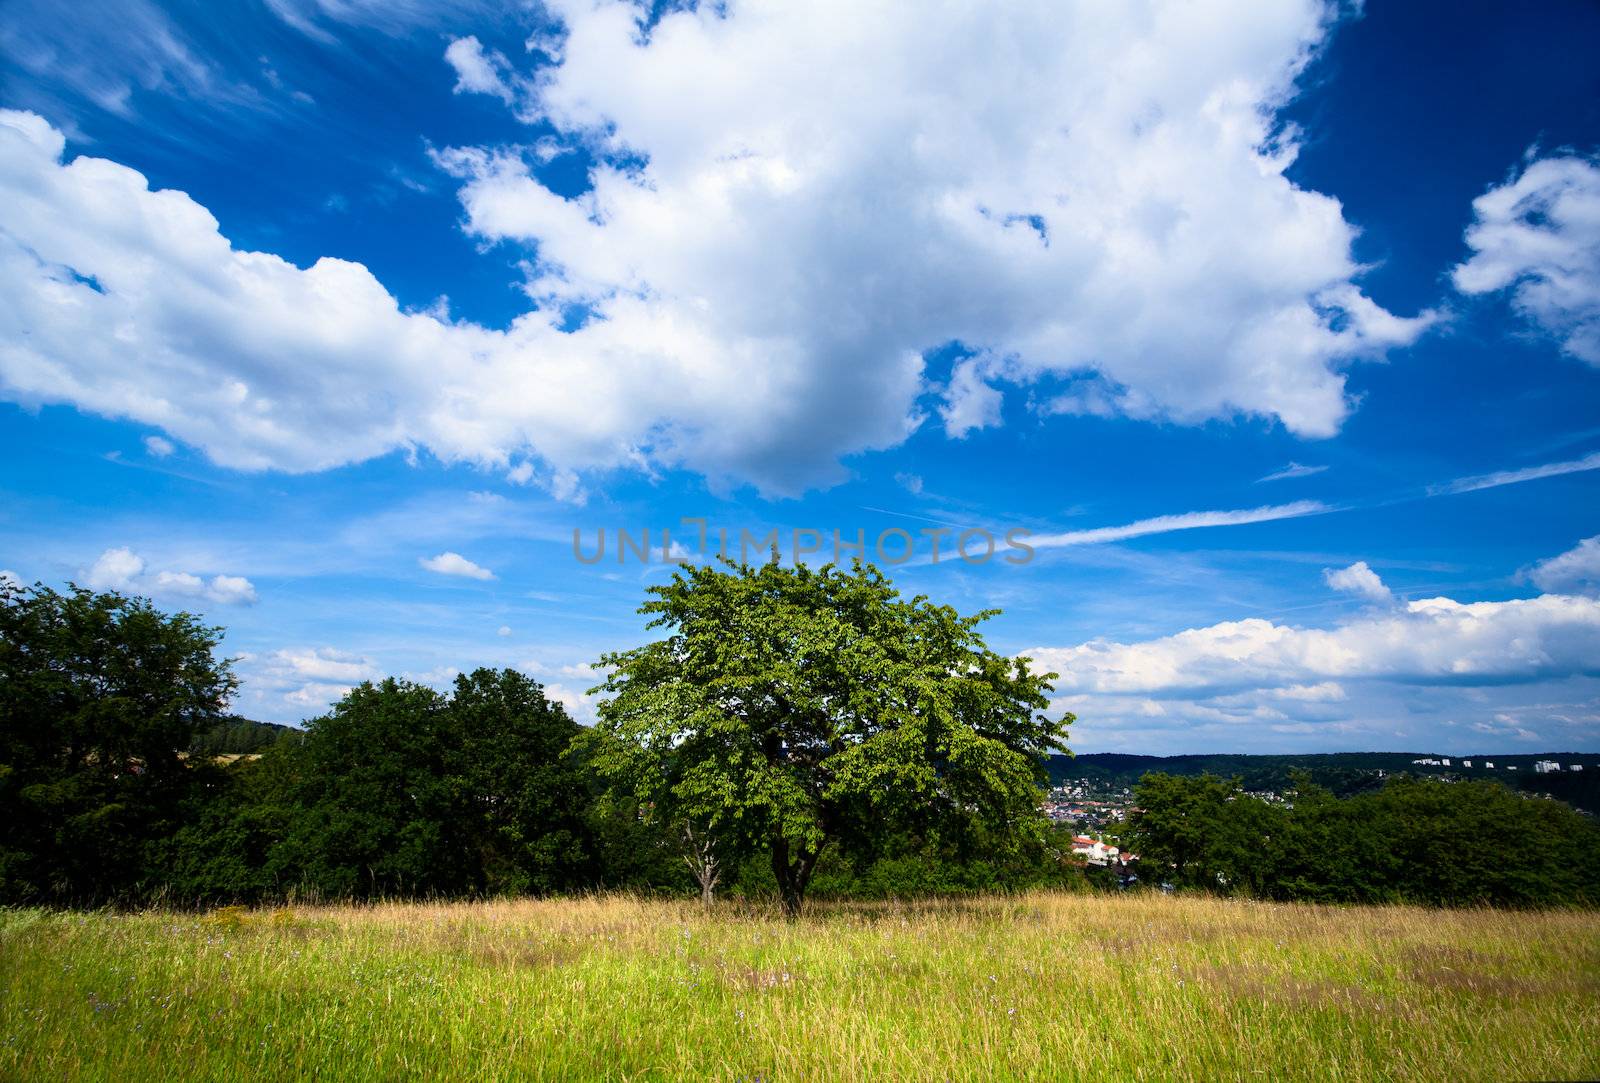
240	737
1346	772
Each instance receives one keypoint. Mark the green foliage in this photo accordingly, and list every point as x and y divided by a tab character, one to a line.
403	791
790	709
1415	840
521	796
241	737
98	694
795	731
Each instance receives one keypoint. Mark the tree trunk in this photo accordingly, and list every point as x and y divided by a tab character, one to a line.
793	876
701	856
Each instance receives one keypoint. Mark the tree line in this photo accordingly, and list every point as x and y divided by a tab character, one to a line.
1415	840
790	732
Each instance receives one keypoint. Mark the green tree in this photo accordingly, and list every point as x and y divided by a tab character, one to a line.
520	792
795	709
404	791
1206	832
99	695
376	814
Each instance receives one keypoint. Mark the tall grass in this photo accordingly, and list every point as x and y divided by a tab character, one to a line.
1033	987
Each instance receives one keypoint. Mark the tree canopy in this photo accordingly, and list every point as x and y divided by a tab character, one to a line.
1414	840
791	709
99	695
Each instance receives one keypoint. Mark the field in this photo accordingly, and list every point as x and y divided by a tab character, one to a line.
1030	987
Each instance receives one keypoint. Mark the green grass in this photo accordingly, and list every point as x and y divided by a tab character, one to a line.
1034	987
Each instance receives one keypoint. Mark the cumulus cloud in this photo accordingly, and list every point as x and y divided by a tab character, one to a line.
1577	571
479	71
1192	520
970	400
1360	580
999	183
568	684
9	578
115	569
1538	236
787	209
308	679
158	447
1435	640
122	569
455	564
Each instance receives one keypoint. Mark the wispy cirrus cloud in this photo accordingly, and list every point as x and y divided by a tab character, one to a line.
1193	520
1293	470
1513	477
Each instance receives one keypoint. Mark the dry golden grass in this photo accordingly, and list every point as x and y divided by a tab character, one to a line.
1033	987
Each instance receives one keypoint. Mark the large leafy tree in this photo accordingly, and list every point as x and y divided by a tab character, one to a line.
794	709
522	797
404	791
99	696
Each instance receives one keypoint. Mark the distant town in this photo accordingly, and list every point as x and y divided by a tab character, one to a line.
1094	794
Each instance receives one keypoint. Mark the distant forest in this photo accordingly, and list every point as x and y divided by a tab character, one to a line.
1344	774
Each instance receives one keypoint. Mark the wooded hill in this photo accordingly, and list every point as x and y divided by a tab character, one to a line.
1344	773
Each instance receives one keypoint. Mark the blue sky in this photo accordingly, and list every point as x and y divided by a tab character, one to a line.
334	320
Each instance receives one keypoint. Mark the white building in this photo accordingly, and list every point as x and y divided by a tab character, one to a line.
1466	763
1095	851
1545	767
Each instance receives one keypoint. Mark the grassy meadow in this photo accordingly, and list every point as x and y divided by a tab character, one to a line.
1032	987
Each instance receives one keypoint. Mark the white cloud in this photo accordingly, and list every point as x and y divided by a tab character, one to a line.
1577	571
790	207
158	447
325	664
1432	640
115	569
122	569
9	578
579	706
315	17
911	483
1192	520
971	401
1059	211
308	679
1293	470
455	564
1539	237
1321	692
1360	580
503	631
1514	477
477	71
111	59
230	589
